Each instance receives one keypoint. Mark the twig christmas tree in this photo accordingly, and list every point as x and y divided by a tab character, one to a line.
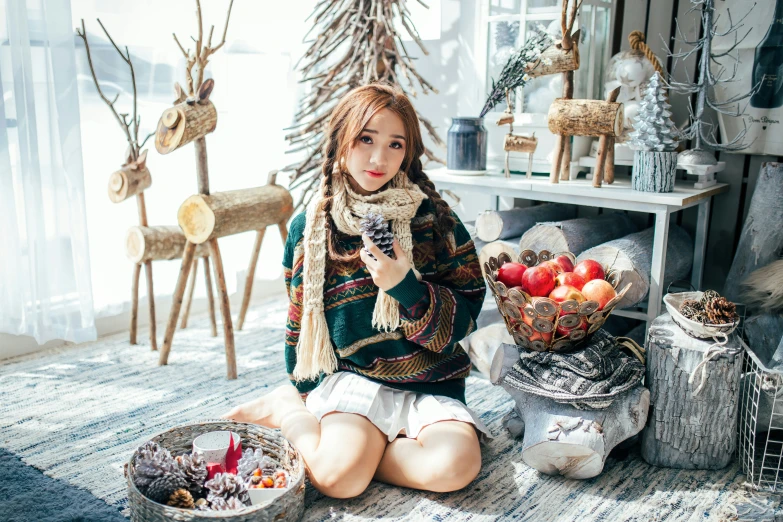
655	139
357	44
701	131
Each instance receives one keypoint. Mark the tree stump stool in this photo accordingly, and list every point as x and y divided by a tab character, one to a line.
689	430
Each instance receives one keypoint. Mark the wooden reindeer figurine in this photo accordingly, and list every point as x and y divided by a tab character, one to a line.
132	179
514	143
205	217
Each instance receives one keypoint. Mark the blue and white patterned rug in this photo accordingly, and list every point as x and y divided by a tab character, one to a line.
78	413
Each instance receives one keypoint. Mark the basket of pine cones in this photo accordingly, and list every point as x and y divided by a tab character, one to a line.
167	481
702	314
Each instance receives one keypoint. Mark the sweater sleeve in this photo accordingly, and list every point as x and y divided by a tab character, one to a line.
293	262
438	314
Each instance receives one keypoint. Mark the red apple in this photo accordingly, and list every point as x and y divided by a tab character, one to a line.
565	263
564	293
589	270
539	280
599	291
553	266
563	331
510	274
538	336
570	279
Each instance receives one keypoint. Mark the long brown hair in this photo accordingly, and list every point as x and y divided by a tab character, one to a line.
346	123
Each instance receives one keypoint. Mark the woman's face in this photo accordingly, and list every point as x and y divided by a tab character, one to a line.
375	157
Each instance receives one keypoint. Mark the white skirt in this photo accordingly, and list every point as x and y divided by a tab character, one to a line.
394	412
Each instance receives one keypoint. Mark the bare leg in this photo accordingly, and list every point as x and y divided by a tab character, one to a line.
341	453
445	457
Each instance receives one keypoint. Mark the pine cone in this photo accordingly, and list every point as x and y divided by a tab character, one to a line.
152	463
194	469
221	504
378	231
226	486
720	311
708	296
249	462
181	499
164	487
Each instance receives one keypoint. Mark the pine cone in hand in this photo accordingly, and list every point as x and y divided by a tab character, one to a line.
152	463
720	311
164	487
378	231
226	486
181	499
194	469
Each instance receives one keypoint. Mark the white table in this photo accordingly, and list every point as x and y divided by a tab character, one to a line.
618	196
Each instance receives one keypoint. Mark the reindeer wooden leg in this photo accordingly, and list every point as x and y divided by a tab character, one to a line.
565	164
134	318
557	158
176	301
225	308
210	297
609	169
151	301
283	232
251	273
191	286
600	161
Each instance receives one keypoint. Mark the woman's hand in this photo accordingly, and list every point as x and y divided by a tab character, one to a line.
386	272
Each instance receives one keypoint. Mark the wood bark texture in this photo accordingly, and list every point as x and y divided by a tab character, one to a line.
563	60
559	439
226	213
128	182
520	143
585	117
576	235
505	224
761	240
653	171
495	248
151	303
482	344
176	303
630	258
157	243
184	123
687	431
609	164
225	309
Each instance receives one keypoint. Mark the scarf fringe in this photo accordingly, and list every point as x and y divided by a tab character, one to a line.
314	351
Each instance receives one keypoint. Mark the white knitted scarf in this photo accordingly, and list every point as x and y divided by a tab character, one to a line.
398	204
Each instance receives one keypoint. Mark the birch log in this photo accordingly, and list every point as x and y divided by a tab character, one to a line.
576	235
128	182
505	224
157	243
653	171
585	117
560	60
560	439
184	123
688	431
482	344
204	217
495	248
630	258
761	240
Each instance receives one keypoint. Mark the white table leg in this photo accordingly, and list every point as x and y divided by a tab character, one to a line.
660	239
700	244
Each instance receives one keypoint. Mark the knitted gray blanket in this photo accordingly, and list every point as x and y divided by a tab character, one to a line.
588	378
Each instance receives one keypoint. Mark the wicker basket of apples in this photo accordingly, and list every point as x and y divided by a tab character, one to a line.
549	301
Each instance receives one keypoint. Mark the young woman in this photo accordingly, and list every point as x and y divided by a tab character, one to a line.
372	340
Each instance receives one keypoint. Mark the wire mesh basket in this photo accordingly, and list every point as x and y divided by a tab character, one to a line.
761	423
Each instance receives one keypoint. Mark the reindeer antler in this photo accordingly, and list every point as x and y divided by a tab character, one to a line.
567	21
201	55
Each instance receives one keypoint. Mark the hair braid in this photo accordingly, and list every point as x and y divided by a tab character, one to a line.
444	221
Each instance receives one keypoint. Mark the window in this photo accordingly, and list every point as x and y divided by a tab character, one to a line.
504	25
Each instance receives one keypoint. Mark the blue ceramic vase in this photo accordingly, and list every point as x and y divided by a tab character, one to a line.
467	145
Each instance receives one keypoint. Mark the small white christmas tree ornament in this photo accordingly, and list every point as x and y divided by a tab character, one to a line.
655	140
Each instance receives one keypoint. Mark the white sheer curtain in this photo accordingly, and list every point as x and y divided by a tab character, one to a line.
45	287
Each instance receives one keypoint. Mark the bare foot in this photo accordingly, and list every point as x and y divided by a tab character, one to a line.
268	410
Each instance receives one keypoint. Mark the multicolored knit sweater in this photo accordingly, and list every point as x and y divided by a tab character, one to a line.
423	355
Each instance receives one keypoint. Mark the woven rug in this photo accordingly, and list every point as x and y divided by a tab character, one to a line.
77	414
